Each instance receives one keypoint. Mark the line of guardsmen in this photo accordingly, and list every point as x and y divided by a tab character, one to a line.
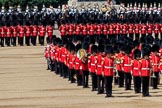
114	29
11	33
106	59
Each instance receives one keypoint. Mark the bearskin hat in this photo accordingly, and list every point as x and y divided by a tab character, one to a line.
47	39
149	39
137	53
100	48
85	45
128	50
92	41
136	43
108	49
146	51
155	48
78	47
142	39
94	49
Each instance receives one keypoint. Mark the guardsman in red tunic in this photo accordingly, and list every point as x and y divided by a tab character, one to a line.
14	35
77	65
34	34
71	63
50	31
131	31
105	30
111	31
3	34
99	69
84	30
27	35
21	35
92	66
117	30
149	29
42	34
127	68
71	32
124	29
8	36
136	71
119	61
143	30
91	30
108	70
155	62
98	31
145	71
84	67
62	30
160	53
156	30
137	31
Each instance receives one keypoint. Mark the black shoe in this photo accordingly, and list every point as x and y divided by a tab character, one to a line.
108	95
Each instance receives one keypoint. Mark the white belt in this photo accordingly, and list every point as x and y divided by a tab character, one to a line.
99	66
70	30
91	30
127	65
76	63
71	62
145	68
135	68
155	64
92	64
63	55
109	67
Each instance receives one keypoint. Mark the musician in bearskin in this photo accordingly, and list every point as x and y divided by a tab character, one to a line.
108	70
136	70
92	66
155	61
99	69
127	67
145	70
84	65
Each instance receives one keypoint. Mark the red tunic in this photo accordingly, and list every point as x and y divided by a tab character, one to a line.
98	30
92	63
105	29
119	65
99	66
42	31
21	31
14	31
62	30
49	31
136	68
108	66
91	30
27	31
8	32
145	67
155	60
34	31
127	65
3	31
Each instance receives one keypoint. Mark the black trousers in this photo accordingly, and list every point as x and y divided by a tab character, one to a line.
2	41
128	79
56	67
94	81
79	77
13	41
145	86
137	84
33	40
7	41
72	73
137	36
155	80
121	78
100	83
85	78
108	84
41	40
131	36
64	69
27	40
21	41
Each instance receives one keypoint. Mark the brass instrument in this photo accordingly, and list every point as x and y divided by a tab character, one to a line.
81	54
